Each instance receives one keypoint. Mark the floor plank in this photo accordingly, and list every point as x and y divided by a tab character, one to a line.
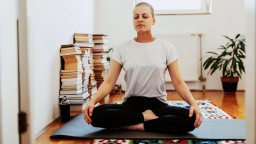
232	104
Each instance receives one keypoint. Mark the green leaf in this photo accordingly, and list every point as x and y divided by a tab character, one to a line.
225	67
237	36
208	62
222	47
229	60
212	53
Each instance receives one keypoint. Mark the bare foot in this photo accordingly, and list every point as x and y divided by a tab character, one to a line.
139	126
149	115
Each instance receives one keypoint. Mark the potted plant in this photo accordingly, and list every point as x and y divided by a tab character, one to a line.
108	51
229	61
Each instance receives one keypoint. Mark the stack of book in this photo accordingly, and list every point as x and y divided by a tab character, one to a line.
71	75
88	75
100	43
101	65
85	42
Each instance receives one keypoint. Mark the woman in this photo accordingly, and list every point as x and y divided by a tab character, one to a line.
145	60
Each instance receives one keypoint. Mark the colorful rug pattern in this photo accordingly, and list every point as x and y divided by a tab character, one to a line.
208	110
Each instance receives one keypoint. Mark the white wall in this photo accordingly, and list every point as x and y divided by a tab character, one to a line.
251	72
8	72
114	17
51	24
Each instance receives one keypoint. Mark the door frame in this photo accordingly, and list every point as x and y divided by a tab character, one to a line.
250	7
25	75
0	103
8	72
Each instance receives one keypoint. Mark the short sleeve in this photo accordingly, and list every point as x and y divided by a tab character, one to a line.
171	54
116	54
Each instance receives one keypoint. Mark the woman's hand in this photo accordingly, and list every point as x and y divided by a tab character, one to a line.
87	111
199	118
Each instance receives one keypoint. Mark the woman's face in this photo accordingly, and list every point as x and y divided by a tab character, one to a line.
142	19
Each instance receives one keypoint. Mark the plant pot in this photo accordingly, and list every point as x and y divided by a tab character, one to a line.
229	85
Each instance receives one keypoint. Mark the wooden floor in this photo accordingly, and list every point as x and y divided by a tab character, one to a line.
234	105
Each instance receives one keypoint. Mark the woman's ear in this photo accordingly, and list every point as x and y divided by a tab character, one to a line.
154	21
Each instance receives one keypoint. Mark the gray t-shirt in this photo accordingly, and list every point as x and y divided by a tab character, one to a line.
145	65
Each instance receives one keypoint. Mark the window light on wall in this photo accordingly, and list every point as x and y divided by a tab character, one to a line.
180	6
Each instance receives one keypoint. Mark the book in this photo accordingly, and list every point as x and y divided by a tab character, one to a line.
83	95
83	35
72	58
101	41
67	45
77	91
67	71
80	44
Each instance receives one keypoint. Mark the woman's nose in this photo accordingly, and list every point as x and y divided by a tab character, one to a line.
140	21
140	18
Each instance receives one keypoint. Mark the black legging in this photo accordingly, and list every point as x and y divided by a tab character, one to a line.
171	119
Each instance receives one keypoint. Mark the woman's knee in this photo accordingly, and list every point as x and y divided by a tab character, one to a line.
98	116
104	114
98	113
189	122
170	124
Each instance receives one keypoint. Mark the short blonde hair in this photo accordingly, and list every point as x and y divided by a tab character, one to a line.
147	5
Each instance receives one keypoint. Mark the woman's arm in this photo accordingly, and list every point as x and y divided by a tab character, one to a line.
184	92
179	83
106	87
103	90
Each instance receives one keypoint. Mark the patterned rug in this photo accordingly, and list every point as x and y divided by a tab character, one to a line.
208	110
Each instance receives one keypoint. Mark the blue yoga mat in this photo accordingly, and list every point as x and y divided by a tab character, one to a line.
211	129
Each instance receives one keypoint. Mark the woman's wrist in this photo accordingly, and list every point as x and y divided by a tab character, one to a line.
194	104
93	101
